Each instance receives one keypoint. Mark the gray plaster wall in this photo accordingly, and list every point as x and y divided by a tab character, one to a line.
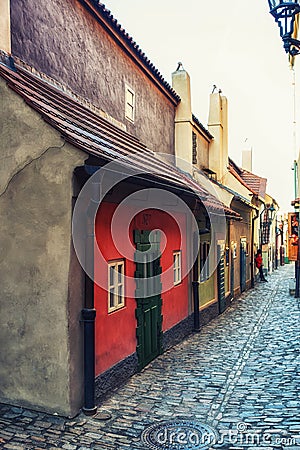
41	290
75	49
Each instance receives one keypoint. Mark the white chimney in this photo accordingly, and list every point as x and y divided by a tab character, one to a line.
5	43
247	160
218	127
183	117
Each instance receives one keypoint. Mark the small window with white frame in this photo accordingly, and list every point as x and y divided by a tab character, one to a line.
204	260
116	298
129	103
177	267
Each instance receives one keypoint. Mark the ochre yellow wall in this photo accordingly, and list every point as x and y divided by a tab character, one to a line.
207	291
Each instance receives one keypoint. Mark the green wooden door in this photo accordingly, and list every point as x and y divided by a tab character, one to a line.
221	279
243	260
148	296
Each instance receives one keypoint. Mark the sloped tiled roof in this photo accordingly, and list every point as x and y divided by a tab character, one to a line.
256	184
82	127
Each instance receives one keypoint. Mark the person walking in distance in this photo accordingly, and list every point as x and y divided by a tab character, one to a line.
259	265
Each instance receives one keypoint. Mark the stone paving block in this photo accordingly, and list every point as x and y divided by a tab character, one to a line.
94	436
38	438
14	447
41	447
21	436
41	424
6	434
52	433
31	414
261	448
293	447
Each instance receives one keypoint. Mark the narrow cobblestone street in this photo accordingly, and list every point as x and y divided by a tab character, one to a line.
240	375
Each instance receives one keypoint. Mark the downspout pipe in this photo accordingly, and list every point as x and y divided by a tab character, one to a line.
88	313
196	284
88	318
252	248
295	168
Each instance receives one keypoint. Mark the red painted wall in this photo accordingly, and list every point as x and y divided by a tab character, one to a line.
115	332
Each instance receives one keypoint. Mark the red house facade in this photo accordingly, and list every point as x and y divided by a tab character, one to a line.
169	305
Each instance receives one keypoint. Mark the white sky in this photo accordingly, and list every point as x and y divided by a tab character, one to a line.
235	45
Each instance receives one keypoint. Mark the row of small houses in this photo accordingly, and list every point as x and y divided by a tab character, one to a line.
124	223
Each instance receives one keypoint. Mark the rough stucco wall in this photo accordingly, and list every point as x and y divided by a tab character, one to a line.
75	304
24	142
35	242
74	49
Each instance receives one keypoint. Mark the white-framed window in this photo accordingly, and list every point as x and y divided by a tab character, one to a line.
204	260
177	266
129	103
234	249
116	298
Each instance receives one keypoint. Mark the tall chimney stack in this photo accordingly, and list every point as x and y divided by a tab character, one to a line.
218	127
5	42
183	134
247	160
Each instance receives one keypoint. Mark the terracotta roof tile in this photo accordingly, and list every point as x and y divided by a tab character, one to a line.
81	126
256	184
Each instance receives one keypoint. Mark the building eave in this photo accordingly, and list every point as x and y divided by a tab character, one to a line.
236	195
201	128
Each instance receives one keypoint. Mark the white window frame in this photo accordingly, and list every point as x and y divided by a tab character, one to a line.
115	285
234	249
129	103
204	261
177	267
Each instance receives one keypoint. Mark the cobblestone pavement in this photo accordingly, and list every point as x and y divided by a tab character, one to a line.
240	375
